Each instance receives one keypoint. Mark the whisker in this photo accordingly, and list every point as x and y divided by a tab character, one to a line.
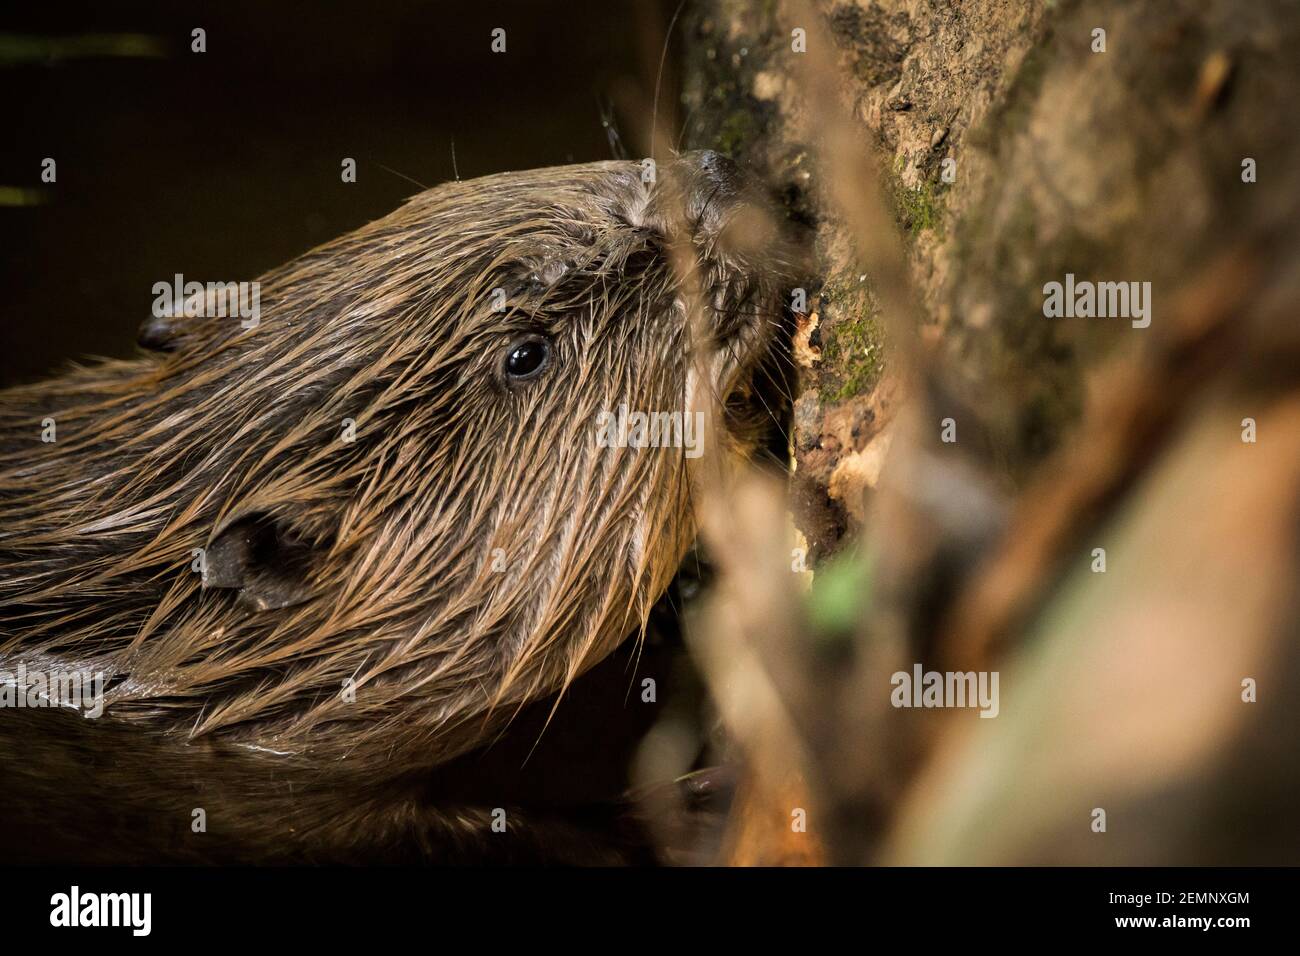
663	56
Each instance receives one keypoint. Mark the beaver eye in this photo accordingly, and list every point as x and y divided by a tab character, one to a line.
526	358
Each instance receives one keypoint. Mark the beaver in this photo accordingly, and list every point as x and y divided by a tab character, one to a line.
317	556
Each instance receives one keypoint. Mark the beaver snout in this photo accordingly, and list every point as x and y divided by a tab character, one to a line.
733	217
712	190
715	181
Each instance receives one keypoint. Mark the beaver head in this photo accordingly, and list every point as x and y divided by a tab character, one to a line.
381	520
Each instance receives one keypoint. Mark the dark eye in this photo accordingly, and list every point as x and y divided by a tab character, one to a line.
526	358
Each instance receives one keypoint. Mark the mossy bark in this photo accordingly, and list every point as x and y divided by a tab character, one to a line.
1023	142
1015	151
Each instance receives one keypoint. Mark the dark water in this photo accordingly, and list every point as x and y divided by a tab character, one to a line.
223	164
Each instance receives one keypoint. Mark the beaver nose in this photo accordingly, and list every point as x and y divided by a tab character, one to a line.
712	181
728	213
714	169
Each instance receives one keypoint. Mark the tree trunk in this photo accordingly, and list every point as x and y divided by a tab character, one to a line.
1095	496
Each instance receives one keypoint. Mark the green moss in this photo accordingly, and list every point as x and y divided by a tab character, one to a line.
840	598
736	132
852	343
918	208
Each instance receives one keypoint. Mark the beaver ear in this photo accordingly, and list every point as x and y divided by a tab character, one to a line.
261	558
159	333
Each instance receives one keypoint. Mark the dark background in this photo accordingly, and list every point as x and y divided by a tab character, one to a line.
224	164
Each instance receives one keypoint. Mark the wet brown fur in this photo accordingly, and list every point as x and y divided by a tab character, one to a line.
471	551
